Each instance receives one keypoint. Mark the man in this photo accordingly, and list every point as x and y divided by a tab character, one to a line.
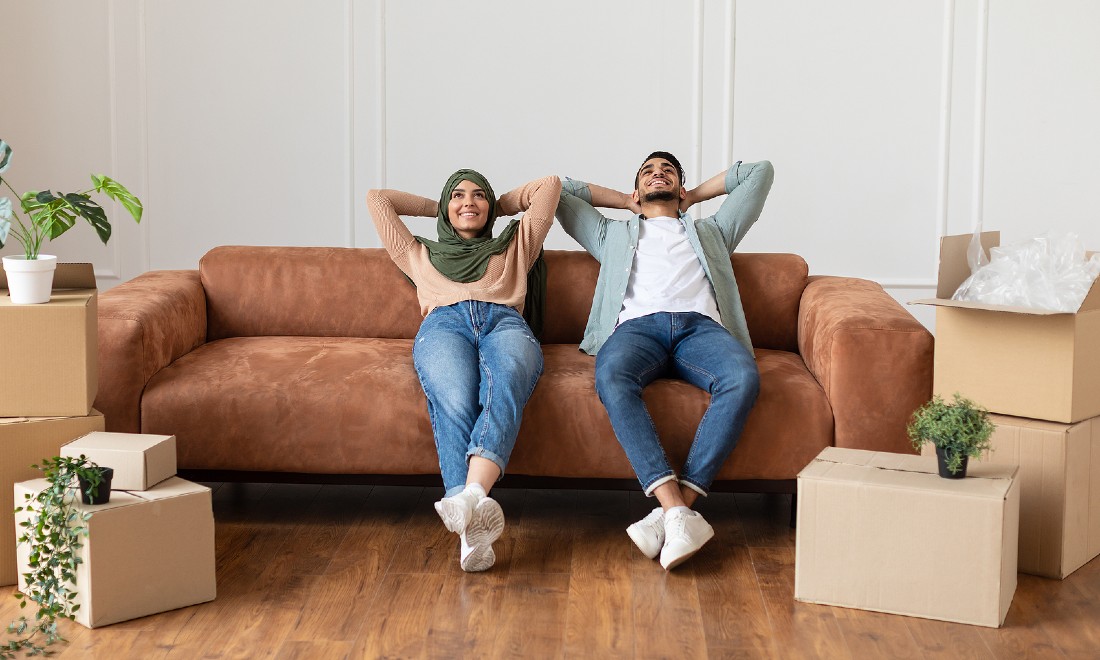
666	304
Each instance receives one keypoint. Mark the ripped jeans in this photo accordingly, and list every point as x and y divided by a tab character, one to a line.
478	363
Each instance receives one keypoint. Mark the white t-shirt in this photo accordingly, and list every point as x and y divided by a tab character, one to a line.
666	275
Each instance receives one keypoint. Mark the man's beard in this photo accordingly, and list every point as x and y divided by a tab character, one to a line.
660	196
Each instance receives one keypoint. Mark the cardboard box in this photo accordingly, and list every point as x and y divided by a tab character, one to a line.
1059	490
884	532
140	460
1014	360
25	442
50	350
146	552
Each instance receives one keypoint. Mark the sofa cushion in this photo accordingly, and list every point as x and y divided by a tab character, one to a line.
307	404
289	291
771	287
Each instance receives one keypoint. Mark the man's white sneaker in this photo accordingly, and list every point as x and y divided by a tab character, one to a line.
685	532
649	533
485	527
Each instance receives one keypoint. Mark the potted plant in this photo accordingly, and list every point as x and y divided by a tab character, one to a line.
49	215
54	530
958	430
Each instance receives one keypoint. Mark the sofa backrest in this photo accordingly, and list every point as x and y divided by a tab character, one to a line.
359	292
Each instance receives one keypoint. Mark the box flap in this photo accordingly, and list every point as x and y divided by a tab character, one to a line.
74	276
966	304
66	276
954	269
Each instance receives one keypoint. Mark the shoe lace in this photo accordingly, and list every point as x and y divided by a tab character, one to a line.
678	526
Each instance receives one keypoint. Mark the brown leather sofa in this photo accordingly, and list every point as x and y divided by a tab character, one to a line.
292	363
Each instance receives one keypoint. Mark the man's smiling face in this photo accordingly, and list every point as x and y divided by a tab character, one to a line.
658	181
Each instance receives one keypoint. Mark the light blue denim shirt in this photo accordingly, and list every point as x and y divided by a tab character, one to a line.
614	242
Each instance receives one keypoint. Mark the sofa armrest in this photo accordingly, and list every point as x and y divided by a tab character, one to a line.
144	325
873	359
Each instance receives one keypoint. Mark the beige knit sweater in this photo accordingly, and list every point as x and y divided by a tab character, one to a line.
505	279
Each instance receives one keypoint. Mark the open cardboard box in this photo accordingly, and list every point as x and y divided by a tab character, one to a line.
884	532
1016	361
50	351
25	442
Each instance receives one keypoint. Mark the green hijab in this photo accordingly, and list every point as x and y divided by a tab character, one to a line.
465	259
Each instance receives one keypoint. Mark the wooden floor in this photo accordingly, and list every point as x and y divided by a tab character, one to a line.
357	571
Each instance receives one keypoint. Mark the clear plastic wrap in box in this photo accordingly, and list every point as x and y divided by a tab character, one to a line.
1049	271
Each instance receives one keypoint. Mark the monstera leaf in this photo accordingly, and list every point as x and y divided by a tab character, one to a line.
54	215
119	193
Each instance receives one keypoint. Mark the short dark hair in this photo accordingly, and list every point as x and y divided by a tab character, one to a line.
660	154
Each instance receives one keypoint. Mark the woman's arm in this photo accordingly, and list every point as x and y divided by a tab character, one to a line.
538	200
386	207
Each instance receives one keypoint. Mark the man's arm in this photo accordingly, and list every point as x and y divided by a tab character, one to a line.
705	191
578	216
746	186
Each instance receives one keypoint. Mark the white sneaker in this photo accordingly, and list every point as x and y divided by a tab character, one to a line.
455	511
649	533
685	532
485	527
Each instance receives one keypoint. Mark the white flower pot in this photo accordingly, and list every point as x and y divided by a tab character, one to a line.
30	280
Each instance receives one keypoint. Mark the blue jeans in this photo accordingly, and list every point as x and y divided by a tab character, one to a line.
694	348
478	363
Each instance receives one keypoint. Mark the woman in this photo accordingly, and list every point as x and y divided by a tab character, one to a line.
477	358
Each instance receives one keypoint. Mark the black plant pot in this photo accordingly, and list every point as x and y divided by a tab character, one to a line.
941	461
103	491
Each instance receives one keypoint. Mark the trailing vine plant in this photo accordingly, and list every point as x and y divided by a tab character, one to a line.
55	530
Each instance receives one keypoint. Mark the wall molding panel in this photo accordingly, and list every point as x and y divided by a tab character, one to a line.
266	122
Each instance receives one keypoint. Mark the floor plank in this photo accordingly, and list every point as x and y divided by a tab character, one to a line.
800	630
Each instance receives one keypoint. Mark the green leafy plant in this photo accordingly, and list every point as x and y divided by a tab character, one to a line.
55	530
50	214
961	428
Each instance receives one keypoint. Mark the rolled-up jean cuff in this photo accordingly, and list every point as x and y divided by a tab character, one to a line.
694	487
485	453
657	482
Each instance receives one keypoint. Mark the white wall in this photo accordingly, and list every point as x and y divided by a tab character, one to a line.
266	121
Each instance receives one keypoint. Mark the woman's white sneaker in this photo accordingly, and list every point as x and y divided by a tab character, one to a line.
685	532
649	533
485	527
457	510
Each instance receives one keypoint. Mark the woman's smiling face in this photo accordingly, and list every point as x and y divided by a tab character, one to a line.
468	209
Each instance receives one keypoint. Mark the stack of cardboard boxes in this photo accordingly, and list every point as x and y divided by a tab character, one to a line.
882	532
151	548
1039	371
47	385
